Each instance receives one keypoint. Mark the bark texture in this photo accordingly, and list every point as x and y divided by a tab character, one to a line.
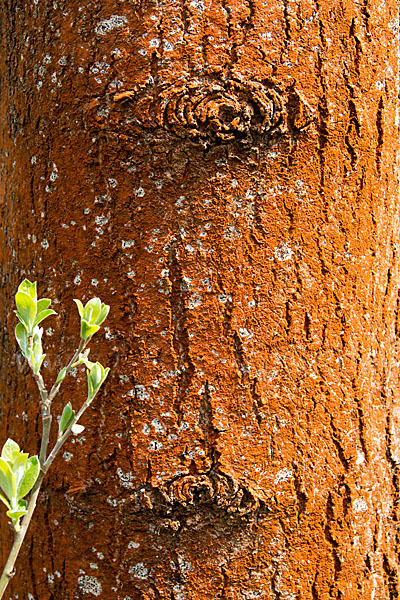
223	173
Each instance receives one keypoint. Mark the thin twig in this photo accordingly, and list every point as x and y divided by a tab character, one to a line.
56	386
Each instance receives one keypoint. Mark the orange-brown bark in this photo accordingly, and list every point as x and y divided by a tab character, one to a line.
224	175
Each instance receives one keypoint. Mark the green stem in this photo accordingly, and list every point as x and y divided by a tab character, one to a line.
46	403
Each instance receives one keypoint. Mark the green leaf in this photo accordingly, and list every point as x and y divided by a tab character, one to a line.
26	309
18	466
103	314
16	514
5	501
43	304
61	375
36	353
29	478
22	338
10	451
43	315
92	310
67	417
80	307
28	288
96	377
20	318
87	330
96	373
7	479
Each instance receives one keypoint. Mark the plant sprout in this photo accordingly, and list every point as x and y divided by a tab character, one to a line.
21	475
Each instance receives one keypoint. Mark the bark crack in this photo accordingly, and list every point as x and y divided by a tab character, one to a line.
300	495
392	580
379	143
205	421
180	338
332	542
338	446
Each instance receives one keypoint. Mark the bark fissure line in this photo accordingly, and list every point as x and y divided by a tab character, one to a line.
180	337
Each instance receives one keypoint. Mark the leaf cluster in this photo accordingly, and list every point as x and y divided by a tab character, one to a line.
18	474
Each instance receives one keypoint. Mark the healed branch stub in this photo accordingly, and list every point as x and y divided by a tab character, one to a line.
214	111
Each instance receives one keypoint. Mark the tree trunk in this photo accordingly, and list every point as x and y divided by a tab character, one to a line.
224	175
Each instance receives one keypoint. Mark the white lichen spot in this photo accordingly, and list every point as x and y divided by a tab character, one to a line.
112	182
125	478
114	22
99	68
184	565
283	252
224	298
179	594
67	456
101	219
360	457
93	565
194	301
146	429
112	501
89	585
186	284
157	426
231	232
142	51
155	445
86	211
140	192
127	243
94	282
360	505
44	244
50	331
198	5
33	160
141	392
154	43
139	570
133	544
283	475
244	333
77	280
